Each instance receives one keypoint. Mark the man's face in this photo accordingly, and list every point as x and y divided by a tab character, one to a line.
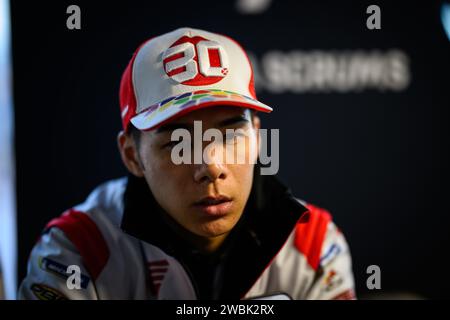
206	198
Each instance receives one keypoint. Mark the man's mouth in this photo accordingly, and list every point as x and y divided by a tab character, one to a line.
215	205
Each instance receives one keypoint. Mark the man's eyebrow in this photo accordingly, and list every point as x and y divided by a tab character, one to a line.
234	120
173	126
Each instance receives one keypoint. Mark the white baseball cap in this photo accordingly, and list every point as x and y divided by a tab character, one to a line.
185	70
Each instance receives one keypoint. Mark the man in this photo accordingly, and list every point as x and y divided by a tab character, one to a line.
206	229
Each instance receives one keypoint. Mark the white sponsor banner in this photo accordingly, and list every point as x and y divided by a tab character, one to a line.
320	71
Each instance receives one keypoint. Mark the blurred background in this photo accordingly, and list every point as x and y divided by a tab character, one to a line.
363	117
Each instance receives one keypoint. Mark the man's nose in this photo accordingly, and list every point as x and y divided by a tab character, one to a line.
212	167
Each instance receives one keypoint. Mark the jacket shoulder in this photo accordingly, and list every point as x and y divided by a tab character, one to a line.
93	226
89	236
323	246
310	233
314	263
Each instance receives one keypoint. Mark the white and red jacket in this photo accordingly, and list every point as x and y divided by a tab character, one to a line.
125	251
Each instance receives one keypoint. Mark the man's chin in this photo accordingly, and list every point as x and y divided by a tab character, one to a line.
213	229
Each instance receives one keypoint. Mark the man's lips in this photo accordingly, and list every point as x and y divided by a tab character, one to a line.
214	206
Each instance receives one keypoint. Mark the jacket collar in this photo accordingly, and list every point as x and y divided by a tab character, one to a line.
269	218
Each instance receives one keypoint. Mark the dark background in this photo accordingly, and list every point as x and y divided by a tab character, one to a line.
378	160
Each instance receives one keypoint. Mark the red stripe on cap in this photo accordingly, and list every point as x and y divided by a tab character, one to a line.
127	98
86	237
309	236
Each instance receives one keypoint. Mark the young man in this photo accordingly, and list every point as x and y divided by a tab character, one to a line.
203	229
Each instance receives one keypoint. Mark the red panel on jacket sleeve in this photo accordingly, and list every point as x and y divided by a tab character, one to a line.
309	237
86	237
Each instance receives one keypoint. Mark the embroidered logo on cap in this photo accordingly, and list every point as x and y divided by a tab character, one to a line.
195	61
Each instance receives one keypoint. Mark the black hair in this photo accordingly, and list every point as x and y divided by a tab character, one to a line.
135	133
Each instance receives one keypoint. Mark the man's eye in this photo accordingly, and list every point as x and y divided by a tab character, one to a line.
232	137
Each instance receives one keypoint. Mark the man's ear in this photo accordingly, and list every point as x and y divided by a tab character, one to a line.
129	153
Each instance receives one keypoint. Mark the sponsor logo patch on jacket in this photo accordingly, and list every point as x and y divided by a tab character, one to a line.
332	280
60	270
43	292
330	254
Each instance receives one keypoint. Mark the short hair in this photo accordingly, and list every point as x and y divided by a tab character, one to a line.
135	134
